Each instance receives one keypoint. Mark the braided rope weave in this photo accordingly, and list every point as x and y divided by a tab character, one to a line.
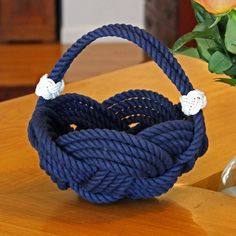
133	145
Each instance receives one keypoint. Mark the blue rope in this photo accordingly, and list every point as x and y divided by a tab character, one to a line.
133	145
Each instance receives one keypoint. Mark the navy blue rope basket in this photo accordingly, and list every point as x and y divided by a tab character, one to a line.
133	145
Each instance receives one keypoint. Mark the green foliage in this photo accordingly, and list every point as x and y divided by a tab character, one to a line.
215	36
189	37
231	71
230	34
219	63
191	52
231	81
200	13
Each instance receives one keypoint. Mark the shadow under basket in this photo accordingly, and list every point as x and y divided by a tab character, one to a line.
133	145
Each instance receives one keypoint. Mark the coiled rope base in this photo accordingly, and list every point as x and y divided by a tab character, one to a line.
133	145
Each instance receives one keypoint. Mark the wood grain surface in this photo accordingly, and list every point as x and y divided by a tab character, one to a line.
31	205
23	64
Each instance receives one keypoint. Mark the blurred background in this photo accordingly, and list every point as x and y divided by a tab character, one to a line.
35	33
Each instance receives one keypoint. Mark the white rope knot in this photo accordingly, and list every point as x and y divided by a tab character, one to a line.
48	89
193	102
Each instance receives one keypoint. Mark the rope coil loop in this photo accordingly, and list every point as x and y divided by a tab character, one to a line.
133	145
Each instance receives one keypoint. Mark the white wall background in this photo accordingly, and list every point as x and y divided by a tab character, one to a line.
81	16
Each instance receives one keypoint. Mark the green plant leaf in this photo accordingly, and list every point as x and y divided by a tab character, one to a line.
219	63
189	37
222	25
212	50
231	82
206	45
231	71
191	52
230	35
200	13
217	20
233	14
202	16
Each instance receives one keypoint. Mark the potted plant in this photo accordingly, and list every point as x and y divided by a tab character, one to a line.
215	36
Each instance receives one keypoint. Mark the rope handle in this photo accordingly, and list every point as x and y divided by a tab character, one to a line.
51	86
152	46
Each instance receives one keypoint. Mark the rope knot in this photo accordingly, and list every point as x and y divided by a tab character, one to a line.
48	89
193	102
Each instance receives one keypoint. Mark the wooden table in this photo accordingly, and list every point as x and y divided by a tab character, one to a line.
31	205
